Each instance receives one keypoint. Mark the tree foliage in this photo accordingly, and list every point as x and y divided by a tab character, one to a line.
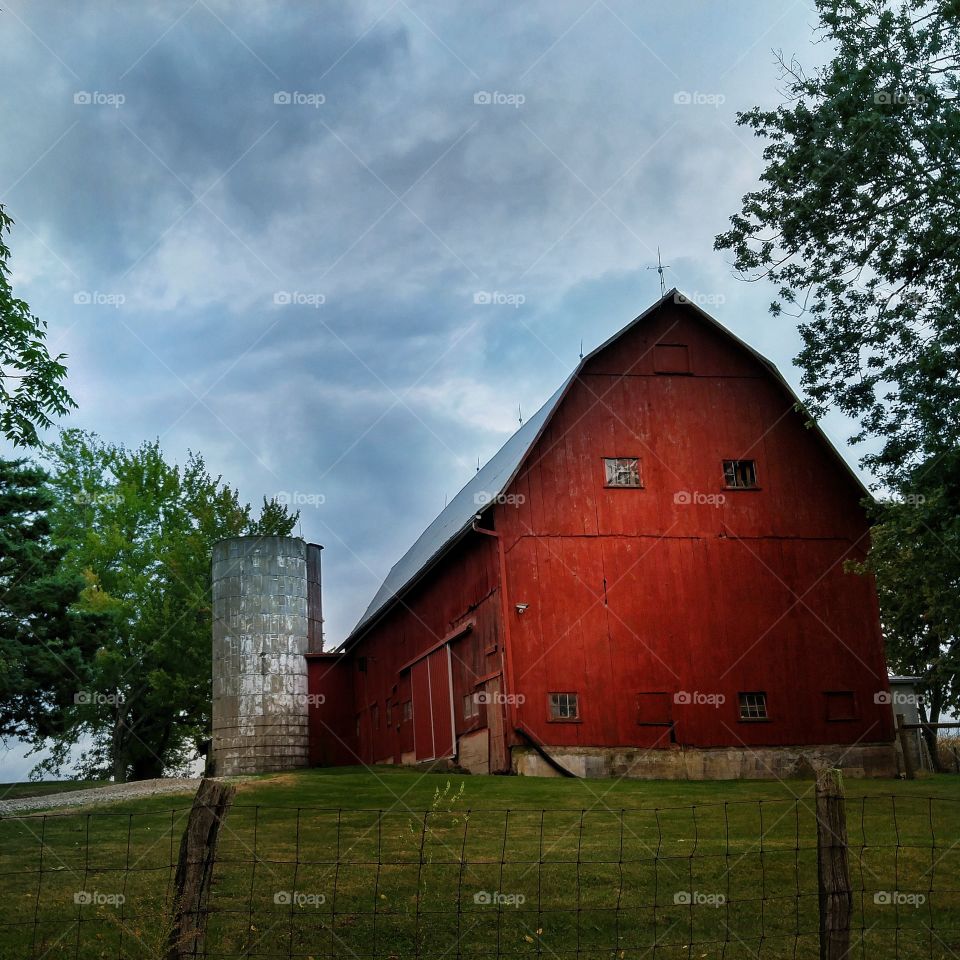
140	532
44	644
856	222
914	542
31	381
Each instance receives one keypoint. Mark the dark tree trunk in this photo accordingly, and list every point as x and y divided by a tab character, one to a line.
150	761
147	768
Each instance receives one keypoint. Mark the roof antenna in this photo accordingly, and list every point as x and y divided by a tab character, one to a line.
478	464
581	348
519	414
660	267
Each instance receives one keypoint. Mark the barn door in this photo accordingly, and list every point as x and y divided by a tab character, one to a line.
432	689
495	726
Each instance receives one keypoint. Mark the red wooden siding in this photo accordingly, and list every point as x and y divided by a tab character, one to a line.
332	721
422	710
684	586
433	735
460	590
441	702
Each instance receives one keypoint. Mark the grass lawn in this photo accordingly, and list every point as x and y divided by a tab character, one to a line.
390	863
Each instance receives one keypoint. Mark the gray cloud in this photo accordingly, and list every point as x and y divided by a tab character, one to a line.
199	200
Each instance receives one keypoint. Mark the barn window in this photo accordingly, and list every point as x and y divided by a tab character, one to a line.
740	474
841	705
671	358
407	710
753	706
564	706
389	713
375	716
622	471
471	708
653	709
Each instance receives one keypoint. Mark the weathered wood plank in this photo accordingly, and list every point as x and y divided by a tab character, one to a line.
833	875
198	850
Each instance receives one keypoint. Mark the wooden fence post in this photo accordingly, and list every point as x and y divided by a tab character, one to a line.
833	875
904	734
198	850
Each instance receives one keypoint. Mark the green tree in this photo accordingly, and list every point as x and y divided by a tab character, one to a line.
140	531
914	541
44	645
31	381
856	223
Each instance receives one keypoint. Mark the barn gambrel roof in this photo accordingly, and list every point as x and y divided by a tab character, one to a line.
494	478
458	515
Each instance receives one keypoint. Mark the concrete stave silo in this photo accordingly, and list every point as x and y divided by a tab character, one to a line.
265	619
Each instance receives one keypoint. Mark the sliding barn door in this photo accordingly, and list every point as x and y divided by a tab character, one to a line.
432	688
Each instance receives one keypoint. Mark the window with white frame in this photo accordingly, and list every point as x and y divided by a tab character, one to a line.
564	706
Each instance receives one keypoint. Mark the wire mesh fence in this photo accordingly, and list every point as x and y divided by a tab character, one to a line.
905	875
726	879
95	884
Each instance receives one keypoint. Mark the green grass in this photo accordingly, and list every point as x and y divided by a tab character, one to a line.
391	869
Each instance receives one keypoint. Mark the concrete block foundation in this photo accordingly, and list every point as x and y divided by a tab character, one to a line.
710	763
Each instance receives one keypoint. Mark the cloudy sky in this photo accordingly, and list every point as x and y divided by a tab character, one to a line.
260	230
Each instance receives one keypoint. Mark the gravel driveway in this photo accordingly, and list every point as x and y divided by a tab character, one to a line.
118	791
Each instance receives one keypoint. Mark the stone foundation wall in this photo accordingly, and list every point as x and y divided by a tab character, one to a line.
473	751
713	763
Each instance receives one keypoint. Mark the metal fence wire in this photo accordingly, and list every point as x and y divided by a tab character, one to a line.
726	879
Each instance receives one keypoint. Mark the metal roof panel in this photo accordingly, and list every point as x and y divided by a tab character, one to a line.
458	515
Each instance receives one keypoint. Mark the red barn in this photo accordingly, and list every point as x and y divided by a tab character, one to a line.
648	579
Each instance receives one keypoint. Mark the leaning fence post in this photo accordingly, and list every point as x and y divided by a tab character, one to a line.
904	735
198	850
833	875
